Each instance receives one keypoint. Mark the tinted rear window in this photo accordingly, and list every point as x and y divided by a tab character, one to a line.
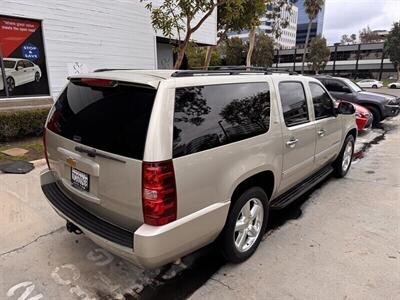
110	119
210	116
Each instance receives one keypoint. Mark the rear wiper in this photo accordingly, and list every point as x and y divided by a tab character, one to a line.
94	153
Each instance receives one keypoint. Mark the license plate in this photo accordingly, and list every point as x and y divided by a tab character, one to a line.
80	180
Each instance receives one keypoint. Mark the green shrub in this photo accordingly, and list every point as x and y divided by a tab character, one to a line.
18	124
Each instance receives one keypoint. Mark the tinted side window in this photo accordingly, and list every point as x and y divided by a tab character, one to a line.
294	103
334	85
323	105
215	115
28	64
20	64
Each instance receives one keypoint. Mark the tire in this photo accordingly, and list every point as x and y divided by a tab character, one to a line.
37	77
10	84
374	86
342	164
392	86
376	114
229	240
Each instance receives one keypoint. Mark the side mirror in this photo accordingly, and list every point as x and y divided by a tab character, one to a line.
19	68
346	108
346	89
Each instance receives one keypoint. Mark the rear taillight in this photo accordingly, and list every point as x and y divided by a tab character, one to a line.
159	193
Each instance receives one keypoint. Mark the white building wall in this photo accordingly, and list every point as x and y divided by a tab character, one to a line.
96	33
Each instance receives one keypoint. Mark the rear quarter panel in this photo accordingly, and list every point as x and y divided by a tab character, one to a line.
211	176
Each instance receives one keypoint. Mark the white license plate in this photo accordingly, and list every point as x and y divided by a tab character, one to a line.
80	180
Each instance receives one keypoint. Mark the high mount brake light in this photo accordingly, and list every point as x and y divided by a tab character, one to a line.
98	82
159	193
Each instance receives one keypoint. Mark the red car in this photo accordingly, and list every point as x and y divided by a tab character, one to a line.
364	117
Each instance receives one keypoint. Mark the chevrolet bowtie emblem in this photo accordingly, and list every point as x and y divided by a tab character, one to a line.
71	162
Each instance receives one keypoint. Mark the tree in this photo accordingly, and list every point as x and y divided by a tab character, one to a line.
229	19
196	54
392	46
319	54
348	40
368	36
177	16
312	8
272	10
240	15
263	54
353	38
234	51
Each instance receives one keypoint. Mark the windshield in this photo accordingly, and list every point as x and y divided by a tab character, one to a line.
353	86
9	64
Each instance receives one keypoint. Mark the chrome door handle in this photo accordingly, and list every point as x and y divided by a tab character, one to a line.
321	132
292	142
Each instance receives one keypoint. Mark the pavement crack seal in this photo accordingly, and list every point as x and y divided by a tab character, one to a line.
222	283
31	242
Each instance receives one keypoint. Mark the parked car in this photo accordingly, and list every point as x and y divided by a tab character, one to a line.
19	72
394	85
380	105
153	165
370	83
364	118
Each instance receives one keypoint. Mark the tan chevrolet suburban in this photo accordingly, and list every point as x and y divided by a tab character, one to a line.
153	165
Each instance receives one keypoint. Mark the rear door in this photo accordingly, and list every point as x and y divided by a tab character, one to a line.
95	143
328	129
298	134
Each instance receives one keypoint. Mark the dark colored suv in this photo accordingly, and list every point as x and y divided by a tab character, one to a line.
380	105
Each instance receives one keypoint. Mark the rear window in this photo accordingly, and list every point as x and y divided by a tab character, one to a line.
112	119
211	116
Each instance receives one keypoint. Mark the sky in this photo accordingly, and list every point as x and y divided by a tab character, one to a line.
350	16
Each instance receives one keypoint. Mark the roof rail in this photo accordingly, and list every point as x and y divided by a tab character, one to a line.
105	70
231	70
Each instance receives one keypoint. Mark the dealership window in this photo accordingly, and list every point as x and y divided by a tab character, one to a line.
23	66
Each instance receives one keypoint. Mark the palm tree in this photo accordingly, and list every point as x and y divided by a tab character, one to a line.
312	7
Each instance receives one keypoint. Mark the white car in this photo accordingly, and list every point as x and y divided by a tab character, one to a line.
19	72
370	83
394	85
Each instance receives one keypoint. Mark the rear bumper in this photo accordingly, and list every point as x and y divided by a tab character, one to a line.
148	246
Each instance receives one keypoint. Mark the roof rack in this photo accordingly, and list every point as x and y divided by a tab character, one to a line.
106	70
230	70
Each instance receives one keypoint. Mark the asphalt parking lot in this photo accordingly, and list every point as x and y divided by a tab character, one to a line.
340	241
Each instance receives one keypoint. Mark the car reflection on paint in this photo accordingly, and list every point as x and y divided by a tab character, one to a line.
19	72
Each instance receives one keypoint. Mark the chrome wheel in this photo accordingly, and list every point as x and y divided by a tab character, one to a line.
248	224
347	156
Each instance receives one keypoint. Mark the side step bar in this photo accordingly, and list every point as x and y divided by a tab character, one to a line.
295	192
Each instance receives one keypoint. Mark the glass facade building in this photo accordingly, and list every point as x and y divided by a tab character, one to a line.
302	23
